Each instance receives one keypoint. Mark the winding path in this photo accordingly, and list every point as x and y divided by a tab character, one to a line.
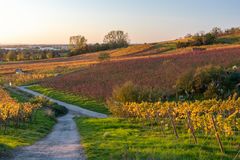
70	107
63	143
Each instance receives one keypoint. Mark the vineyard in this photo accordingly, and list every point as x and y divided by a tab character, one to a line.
209	117
14	113
160	72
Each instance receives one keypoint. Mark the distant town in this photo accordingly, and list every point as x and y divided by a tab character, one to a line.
35	47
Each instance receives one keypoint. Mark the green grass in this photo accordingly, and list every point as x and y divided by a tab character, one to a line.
230	39
114	138
18	95
166	46
29	132
71	99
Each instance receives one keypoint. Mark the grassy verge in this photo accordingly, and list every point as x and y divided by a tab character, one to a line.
18	95
27	133
114	138
72	99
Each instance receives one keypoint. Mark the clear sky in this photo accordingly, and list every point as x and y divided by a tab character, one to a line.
54	21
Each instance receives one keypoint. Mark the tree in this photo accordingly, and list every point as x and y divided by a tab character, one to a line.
208	81
116	39
197	40
78	44
11	56
184	84
20	56
209	38
49	55
216	31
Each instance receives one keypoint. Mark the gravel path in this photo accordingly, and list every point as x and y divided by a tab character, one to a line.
63	143
70	107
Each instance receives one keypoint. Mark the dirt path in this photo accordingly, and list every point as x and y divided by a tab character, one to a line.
62	143
70	107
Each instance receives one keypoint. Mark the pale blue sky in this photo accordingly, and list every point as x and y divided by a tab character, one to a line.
53	21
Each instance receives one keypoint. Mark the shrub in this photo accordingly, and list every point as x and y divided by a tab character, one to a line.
42	101
212	92
203	76
183	44
59	110
209	81
52	109
130	92
103	56
185	83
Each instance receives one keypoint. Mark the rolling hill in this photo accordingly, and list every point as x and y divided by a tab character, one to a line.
157	71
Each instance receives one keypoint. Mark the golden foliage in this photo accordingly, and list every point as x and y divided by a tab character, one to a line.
226	113
11	110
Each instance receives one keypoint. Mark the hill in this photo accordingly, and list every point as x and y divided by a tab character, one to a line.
41	69
157	71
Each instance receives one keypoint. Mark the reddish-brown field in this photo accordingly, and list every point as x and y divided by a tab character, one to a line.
160	72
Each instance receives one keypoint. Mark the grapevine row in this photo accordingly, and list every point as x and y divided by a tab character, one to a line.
216	117
12	111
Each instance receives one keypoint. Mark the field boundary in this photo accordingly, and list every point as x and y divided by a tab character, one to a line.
70	107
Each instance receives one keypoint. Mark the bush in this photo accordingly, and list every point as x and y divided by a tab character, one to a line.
184	84
199	40
42	101
104	56
130	92
183	44
51	108
212	92
209	81
59	110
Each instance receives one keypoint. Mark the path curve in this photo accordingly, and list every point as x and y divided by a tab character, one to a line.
70	107
63	143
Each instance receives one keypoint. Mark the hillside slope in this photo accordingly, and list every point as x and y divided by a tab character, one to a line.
160	72
131	52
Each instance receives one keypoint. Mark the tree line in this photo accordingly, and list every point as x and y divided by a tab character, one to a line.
209	38
77	45
114	39
28	54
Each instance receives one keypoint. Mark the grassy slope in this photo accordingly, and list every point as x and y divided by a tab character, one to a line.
72	99
28	133
114	138
229	39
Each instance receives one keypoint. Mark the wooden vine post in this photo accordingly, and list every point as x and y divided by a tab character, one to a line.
217	135
158	121
191	127
173	124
